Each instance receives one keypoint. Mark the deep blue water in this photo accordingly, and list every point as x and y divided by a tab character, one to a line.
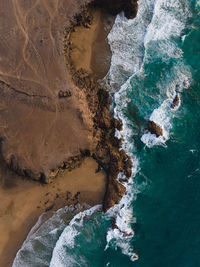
164	50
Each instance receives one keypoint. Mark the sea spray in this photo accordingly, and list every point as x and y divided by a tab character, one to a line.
134	44
127	58
39	244
147	72
161	39
127	45
60	257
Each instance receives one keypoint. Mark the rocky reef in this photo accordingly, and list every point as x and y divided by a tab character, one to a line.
155	128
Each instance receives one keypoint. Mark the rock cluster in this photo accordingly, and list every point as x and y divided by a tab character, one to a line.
67	93
70	164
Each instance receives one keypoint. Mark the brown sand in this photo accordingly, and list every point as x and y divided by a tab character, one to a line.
22	201
90	49
39	130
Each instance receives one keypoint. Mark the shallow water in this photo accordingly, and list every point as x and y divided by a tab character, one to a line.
155	57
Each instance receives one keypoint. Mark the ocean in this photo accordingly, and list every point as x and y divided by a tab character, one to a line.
155	60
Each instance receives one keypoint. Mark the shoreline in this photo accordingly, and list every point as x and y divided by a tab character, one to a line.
99	146
23	201
108	152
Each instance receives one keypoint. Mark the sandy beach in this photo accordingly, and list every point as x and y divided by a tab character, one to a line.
23	201
90	49
57	114
42	144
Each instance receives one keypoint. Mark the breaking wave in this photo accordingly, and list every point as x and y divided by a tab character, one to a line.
146	78
64	253
38	246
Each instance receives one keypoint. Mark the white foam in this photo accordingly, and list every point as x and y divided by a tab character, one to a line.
126	40
39	244
67	239
163	115
134	43
169	21
123	212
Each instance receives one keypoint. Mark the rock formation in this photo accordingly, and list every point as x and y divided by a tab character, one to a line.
155	128
52	115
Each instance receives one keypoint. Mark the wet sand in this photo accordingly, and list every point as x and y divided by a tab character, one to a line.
23	201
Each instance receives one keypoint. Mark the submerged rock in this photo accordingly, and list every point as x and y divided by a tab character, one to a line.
176	102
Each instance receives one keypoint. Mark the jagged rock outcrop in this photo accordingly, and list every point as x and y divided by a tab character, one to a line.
176	101
155	128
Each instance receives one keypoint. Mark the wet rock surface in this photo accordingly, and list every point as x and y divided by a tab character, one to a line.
176	102
155	128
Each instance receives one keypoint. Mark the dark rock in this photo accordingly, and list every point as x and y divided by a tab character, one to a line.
117	124
85	153
114	225
128	167
68	195
176	101
98	169
155	128
131	9
114	7
114	193
66	93
104	118
116	142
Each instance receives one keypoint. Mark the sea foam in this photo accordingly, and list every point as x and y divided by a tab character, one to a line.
126	40
134	44
154	33
60	257
167	26
39	244
127	59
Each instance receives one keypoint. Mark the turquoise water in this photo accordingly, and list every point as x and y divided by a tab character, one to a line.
158	58
168	210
